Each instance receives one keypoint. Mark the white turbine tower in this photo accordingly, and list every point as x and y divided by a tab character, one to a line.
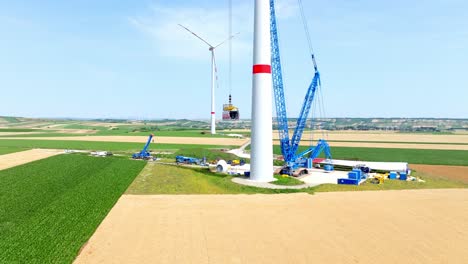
213	75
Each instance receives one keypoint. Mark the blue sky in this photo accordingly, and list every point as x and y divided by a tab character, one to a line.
129	59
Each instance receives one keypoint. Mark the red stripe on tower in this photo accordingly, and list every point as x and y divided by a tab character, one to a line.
212	113
261	68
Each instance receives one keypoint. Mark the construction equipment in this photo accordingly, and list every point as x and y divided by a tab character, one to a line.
230	112
236	162
190	160
101	153
295	164
378	178
144	153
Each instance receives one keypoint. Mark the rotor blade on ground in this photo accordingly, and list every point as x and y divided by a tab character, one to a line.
196	35
226	40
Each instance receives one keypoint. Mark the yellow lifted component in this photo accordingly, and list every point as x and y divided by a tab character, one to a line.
229	107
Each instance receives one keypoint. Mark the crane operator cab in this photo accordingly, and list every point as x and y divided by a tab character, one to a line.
230	112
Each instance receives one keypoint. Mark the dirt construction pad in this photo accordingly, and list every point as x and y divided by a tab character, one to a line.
423	226
22	157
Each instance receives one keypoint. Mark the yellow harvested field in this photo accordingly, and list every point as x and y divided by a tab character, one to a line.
419	226
386	137
22	157
143	139
17	133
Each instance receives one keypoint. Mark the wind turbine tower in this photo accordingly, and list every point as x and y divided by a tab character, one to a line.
261	161
213	75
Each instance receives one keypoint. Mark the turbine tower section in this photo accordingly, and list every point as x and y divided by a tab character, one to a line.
262	141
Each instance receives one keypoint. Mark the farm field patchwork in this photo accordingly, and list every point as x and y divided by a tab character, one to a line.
96	145
163	140
49	208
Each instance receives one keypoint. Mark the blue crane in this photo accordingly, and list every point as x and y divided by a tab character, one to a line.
144	153
289	146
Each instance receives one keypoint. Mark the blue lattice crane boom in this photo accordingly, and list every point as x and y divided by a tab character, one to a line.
289	146
277	76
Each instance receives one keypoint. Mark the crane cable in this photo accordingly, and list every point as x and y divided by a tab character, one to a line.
311	50
230	51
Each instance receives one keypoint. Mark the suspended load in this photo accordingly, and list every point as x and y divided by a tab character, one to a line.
230	111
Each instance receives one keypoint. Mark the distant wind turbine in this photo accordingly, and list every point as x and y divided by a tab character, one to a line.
213	74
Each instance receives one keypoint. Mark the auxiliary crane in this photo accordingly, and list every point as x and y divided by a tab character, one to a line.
144	153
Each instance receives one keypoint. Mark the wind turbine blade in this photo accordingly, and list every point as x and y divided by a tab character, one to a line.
196	35
231	37
216	70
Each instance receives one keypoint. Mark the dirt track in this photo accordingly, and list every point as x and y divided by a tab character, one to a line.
426	226
459	173
22	157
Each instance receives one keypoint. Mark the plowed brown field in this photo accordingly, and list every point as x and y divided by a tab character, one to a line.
459	173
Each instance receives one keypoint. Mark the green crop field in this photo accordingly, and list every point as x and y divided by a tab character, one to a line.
95	145
7	150
414	156
18	130
50	208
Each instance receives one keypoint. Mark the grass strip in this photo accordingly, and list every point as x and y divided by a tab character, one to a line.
167	179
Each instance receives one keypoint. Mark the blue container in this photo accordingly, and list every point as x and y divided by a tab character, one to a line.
247	174
403	176
353	175
392	175
348	181
328	167
359	172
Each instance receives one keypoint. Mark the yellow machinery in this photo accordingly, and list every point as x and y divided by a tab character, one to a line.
379	178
